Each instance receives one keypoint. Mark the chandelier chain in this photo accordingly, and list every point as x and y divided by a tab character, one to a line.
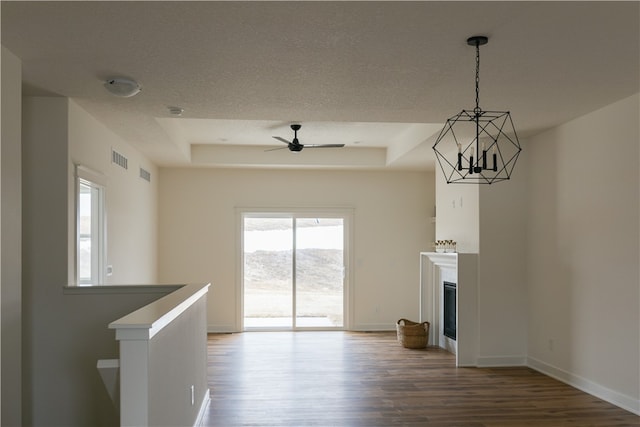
477	109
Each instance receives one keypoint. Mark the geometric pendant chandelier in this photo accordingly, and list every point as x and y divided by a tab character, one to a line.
476	146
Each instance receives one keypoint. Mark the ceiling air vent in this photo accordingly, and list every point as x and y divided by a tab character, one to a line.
145	174
119	159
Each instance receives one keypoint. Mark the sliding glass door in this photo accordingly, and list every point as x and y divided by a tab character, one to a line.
293	271
319	272
267	272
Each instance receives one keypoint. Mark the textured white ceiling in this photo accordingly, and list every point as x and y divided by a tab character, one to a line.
384	74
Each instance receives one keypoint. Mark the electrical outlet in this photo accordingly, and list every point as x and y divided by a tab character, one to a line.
193	395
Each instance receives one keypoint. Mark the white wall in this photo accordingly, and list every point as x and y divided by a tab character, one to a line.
58	386
457	214
11	243
502	284
45	232
172	370
131	202
198	232
583	253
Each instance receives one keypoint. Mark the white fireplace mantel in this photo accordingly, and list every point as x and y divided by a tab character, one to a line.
433	267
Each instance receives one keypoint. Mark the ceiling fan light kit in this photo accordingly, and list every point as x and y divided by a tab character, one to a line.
295	147
477	146
122	87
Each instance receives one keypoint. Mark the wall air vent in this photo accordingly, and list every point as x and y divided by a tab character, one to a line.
119	159
145	174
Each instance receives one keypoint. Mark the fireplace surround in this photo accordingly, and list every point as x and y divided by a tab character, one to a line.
461	269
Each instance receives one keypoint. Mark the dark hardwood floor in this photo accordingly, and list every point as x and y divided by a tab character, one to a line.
369	379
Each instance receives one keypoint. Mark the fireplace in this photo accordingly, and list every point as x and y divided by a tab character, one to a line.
462	269
450	310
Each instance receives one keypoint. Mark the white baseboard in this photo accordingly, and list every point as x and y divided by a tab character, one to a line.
623	401
501	361
203	407
222	329
213	328
373	327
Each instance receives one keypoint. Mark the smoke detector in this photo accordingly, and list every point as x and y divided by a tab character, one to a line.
175	111
122	87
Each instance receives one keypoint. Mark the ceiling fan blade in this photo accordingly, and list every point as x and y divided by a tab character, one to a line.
282	140
278	148
323	145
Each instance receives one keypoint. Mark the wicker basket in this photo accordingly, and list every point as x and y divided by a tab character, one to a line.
412	334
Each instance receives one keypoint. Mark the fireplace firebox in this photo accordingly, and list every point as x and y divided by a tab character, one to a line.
450	310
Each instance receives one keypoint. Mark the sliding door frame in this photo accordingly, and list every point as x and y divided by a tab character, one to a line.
346	213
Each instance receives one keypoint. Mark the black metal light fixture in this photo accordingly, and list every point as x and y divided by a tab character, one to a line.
476	146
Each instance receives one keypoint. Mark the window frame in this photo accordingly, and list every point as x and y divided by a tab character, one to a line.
347	213
97	182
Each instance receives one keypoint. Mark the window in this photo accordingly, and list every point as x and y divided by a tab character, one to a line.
90	228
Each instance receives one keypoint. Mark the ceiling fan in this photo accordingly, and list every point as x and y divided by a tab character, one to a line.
295	145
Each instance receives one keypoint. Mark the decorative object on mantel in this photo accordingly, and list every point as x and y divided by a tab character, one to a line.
445	246
483	148
412	334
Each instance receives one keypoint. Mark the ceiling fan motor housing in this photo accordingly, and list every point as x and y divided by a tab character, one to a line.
295	146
